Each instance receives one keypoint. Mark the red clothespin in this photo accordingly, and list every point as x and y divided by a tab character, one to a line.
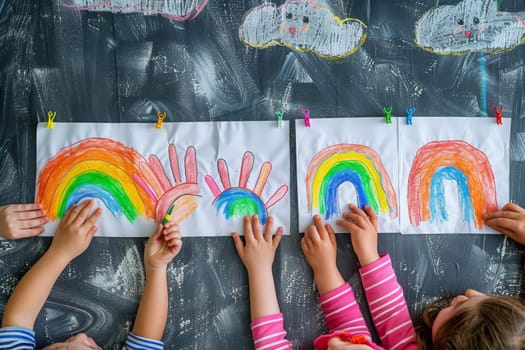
160	119
306	115
51	119
279	114
388	114
499	114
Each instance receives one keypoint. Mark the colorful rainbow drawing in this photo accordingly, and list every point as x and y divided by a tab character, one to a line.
454	160
358	164
94	168
241	201
120	177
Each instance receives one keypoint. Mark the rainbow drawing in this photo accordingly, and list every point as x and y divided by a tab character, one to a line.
94	168
121	178
357	164
240	201
454	160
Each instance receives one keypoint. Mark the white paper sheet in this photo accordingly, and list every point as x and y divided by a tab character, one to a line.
347	160
121	166
453	169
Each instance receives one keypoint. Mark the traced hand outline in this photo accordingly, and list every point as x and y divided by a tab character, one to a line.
241	201
164	193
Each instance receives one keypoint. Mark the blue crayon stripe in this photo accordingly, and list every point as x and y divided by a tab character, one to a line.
437	193
331	200
93	191
240	202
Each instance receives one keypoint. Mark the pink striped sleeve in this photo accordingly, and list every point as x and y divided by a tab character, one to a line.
387	305
342	311
269	334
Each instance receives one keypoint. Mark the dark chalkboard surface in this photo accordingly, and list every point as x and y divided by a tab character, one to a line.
104	67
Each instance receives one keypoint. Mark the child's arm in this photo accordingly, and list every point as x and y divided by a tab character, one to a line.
337	299
152	314
21	220
257	256
510	221
384	294
72	238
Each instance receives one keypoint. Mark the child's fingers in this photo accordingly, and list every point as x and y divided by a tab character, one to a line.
171	226
311	234
277	239
371	215
319	225
239	245
83	211
350	227
513	207
358	211
248	233
256	227
172	235
268	230
93	218
174	242
305	247
331	234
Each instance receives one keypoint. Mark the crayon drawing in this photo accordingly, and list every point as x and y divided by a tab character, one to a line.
139	175
453	172
177	10
343	161
470	26
239	201
303	26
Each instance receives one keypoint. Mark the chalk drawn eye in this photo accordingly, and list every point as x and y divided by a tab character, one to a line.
288	15
460	22
476	20
306	19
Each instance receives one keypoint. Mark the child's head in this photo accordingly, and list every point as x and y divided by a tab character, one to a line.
474	321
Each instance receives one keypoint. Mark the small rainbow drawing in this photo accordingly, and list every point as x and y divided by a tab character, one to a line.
94	168
241	201
460	162
357	164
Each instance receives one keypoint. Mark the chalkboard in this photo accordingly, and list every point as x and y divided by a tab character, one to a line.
125	67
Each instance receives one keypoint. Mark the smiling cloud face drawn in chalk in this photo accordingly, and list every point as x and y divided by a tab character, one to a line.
178	10
302	26
470	26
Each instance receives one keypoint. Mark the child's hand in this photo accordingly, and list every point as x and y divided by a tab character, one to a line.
21	220
259	251
75	230
320	246
510	221
363	231
162	246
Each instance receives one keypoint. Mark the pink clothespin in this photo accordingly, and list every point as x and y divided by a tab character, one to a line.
306	114
499	114
388	114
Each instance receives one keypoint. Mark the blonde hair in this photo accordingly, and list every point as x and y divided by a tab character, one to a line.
495	322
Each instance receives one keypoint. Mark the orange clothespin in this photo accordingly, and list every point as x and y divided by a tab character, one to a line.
388	114
279	114
499	114
160	119
306	115
51	119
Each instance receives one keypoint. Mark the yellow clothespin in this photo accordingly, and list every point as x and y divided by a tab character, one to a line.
51	119
160	119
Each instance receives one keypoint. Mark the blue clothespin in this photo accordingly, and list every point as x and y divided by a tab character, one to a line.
388	114
410	111
279	114
306	115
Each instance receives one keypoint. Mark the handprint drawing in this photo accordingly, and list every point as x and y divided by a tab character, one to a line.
238	201
180	197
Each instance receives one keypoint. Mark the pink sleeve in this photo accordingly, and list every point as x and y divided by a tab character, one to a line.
269	334
387	305
342	311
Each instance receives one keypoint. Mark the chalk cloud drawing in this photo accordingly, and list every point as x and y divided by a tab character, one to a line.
357	164
470	26
178	10
460	162
121	178
303	26
238	201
